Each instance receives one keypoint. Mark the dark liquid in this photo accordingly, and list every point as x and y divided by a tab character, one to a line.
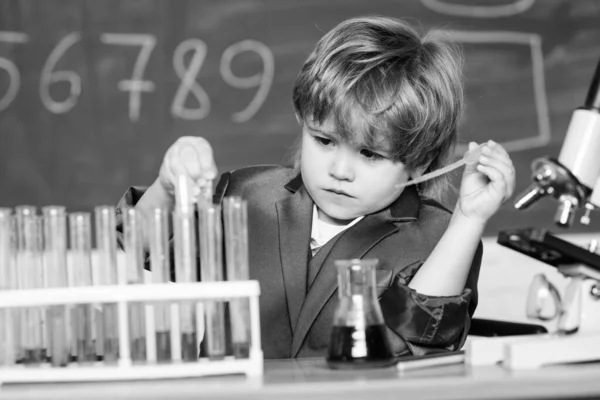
350	348
163	346
86	346
111	350
34	356
241	350
189	347
138	350
86	351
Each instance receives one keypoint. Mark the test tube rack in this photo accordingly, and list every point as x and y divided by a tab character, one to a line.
123	295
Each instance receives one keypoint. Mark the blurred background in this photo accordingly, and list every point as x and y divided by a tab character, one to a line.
92	93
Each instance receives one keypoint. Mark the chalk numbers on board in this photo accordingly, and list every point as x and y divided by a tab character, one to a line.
188	58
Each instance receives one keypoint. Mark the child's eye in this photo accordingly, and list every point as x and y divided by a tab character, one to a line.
322	140
371	155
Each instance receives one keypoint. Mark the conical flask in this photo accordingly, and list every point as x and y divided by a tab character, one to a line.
358	338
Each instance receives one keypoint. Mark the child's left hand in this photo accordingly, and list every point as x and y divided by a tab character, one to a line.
486	184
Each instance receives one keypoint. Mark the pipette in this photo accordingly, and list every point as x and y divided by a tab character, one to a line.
470	157
80	238
235	216
106	244
160	267
211	265
31	276
55	258
8	281
184	232
134	256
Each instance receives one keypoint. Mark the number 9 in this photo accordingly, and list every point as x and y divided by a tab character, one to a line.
262	80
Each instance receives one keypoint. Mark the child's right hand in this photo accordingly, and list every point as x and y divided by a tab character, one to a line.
191	156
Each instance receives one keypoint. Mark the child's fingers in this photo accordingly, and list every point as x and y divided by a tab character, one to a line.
506	167
497	180
201	166
501	179
496	151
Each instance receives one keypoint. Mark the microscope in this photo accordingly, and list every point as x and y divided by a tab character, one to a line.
574	181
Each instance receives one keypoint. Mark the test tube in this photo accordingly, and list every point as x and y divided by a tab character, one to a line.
55	258
106	245
7	282
160	267
134	256
80	237
185	263
211	267
235	215
31	276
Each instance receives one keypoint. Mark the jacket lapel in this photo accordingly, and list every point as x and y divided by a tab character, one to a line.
353	243
294	217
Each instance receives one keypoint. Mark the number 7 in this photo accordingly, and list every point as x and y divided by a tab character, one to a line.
136	84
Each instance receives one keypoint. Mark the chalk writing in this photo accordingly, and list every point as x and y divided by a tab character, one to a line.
49	77
14	77
136	85
188	81
262	80
479	11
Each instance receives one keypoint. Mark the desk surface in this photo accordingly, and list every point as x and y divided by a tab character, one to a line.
310	378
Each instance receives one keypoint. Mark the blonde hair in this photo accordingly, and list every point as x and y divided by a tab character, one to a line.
379	80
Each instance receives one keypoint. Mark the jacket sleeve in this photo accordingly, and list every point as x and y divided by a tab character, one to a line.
419	324
129	199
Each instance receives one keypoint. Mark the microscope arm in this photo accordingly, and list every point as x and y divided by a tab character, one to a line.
574	178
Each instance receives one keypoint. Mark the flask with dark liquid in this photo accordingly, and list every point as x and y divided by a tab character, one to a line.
358	338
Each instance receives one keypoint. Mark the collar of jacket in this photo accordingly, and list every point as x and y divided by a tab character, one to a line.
405	208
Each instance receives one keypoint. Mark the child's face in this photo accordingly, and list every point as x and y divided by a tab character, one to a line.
344	181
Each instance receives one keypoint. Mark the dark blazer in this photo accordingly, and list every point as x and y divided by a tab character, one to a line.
296	315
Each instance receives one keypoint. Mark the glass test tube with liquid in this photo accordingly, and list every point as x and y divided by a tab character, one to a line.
158	229
106	246
80	237
211	267
31	276
134	256
184	232
55	258
235	215
8	281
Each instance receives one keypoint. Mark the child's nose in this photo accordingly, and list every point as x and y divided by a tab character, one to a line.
342	166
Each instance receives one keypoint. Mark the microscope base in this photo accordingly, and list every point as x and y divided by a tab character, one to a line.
536	351
533	351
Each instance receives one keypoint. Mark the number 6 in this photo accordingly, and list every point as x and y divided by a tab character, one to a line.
48	77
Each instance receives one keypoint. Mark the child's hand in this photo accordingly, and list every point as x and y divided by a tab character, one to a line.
486	184
191	156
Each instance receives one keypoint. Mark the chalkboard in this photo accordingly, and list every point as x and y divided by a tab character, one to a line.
92	93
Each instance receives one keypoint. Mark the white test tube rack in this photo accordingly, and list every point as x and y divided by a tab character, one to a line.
125	369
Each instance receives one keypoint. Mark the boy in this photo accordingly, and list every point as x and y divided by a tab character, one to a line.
378	106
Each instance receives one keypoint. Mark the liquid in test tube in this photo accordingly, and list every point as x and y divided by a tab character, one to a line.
80	237
235	215
7	282
55	257
134	256
211	267
31	275
160	267
184	232
106	246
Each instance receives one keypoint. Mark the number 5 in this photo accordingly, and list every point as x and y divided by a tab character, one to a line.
14	77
